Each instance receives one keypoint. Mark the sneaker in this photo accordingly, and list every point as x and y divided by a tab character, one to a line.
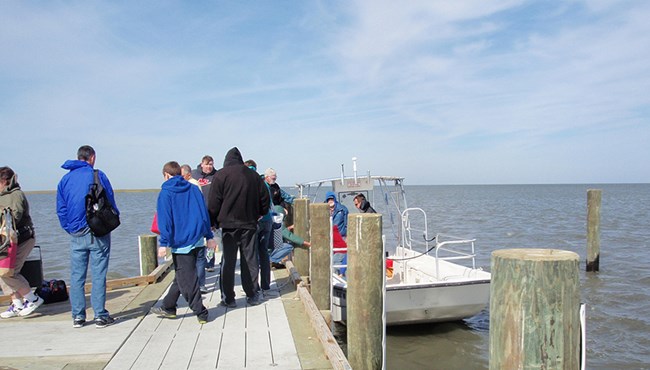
12	311
78	323
30	306
254	300
102	322
161	312
203	289
232	304
202	320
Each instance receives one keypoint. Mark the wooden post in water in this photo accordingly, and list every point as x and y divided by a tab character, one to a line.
534	309
148	245
301	228
365	292
320	274
594	197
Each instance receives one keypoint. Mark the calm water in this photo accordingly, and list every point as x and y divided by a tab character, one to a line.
499	216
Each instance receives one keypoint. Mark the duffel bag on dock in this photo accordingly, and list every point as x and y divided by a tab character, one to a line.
53	291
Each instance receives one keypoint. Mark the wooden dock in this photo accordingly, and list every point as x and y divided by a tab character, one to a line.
253	337
275	334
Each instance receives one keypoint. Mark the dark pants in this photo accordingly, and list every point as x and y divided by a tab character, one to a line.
200	265
242	240
185	283
264	234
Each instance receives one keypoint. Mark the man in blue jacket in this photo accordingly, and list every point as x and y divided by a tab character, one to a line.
71	209
183	222
338	212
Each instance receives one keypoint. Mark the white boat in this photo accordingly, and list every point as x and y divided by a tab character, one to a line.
435	278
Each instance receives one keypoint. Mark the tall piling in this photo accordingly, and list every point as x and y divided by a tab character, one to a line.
320	274
365	291
148	251
301	228
534	309
594	197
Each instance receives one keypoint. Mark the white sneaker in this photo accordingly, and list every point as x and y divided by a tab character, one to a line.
12	311
29	307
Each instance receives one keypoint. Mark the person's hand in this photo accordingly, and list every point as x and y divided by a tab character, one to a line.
162	251
306	244
212	244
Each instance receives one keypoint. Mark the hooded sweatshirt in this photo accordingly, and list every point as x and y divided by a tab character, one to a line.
339	214
238	196
14	198
71	194
182	216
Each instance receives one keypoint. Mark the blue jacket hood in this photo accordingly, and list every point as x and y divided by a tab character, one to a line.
177	184
330	194
73	164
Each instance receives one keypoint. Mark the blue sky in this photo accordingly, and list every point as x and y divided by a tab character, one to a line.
441	92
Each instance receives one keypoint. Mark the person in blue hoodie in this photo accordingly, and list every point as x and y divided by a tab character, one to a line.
338	212
183	222
71	210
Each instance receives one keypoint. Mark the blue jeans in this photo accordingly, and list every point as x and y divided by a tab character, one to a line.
85	248
200	265
264	234
280	252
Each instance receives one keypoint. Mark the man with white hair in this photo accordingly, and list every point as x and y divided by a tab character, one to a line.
278	196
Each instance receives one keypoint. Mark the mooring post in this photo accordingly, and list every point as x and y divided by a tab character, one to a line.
594	197
301	228
148	246
534	309
320	274
365	291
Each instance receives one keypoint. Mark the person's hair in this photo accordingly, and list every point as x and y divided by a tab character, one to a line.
251	163
207	158
172	168
6	174
85	152
269	172
186	168
360	197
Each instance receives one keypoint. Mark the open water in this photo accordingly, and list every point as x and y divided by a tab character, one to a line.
499	216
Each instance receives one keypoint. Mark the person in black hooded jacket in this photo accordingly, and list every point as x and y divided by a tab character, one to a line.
237	199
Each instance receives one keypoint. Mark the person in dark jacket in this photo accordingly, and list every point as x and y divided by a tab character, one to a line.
204	173
362	204
238	199
183	222
71	209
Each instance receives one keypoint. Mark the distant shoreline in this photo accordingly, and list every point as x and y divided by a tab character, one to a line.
117	191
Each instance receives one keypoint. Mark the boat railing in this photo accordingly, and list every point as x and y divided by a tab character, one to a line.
415	236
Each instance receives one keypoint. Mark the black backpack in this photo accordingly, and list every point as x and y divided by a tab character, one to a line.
53	291
100	215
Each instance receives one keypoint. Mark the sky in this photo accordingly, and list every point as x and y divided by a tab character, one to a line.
439	92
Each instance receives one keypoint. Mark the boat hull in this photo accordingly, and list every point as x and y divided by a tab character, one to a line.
425	303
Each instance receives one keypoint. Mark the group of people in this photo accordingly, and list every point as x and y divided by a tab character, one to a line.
234	201
197	210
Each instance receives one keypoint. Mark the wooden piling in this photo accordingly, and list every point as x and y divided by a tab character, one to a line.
301	228
534	309
320	274
594	197
148	246
365	291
